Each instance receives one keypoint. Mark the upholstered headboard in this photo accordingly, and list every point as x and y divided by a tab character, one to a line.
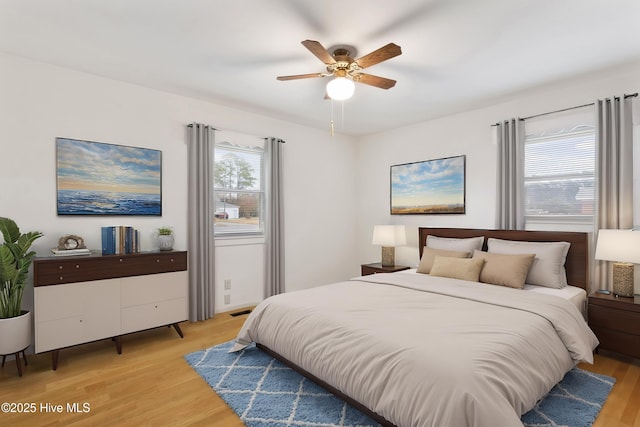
577	263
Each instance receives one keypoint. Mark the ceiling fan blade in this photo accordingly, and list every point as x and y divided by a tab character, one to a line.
377	56
381	82
300	76
319	51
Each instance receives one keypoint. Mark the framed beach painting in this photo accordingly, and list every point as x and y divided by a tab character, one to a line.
95	178
429	187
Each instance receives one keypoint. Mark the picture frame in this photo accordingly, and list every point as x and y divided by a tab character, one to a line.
436	186
96	178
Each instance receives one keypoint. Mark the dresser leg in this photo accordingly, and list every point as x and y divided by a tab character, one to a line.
118	341
54	359
178	330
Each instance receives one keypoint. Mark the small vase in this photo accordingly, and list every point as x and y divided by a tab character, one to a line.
165	242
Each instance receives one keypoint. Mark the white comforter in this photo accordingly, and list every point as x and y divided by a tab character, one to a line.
427	351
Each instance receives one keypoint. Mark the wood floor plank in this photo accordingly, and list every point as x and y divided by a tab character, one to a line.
151	384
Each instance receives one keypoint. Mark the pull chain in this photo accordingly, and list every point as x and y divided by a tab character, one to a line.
331	124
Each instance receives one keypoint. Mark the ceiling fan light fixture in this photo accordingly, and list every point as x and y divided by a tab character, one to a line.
340	88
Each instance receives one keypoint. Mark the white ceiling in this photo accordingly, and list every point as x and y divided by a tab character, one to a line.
457	54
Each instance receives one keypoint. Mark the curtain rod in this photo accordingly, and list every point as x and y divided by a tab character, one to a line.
566	109
190	125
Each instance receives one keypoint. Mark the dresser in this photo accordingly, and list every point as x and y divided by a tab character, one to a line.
88	298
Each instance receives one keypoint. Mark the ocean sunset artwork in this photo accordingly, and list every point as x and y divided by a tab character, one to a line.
95	178
429	187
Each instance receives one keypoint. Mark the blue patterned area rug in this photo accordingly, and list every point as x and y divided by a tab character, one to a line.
264	392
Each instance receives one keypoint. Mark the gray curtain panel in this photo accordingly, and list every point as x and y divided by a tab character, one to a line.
614	173
201	146
274	219
510	186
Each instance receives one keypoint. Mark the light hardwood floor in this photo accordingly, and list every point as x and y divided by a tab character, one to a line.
150	383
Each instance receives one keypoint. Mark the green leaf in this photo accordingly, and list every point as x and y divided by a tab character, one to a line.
15	260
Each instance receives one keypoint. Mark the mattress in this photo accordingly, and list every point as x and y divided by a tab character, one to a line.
427	351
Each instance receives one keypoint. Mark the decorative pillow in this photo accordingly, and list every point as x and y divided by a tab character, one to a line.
503	269
429	254
548	266
453	244
457	268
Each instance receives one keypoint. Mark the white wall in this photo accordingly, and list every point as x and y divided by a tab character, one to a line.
39	102
468	133
330	210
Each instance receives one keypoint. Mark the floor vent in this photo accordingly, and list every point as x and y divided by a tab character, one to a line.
240	313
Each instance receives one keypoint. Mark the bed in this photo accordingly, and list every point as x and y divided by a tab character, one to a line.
412	349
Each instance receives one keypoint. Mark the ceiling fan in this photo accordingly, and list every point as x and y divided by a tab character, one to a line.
346	69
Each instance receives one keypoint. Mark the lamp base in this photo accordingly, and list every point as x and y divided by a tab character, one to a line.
388	256
623	279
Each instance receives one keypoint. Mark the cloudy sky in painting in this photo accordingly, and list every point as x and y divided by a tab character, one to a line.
434	182
94	166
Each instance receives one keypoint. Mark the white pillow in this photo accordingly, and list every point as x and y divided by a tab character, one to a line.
548	266
452	244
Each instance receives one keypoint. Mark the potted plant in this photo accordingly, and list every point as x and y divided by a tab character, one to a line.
15	260
165	238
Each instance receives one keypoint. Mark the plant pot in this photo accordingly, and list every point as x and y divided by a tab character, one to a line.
165	242
15	333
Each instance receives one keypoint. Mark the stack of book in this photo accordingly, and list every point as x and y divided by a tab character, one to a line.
70	252
119	240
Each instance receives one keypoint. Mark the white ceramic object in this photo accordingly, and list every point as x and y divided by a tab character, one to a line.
165	242
15	333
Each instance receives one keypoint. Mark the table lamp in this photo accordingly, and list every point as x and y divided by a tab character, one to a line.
623	248
389	236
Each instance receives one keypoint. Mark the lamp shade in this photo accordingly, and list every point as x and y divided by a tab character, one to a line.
340	88
389	235
618	245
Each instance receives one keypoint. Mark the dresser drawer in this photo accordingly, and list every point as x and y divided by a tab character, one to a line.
76	313
152	315
55	271
614	319
80	269
150	288
153	263
618	341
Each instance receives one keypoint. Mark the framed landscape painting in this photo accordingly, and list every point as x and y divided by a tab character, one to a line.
429	187
94	178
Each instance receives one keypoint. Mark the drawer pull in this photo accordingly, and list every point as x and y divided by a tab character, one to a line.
61	278
171	259
77	265
60	267
158	260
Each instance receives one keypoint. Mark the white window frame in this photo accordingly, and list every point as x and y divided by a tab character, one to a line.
579	222
234	233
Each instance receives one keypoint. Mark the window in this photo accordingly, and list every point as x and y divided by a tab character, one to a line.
238	185
559	175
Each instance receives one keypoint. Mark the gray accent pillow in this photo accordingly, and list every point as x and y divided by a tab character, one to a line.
548	266
452	244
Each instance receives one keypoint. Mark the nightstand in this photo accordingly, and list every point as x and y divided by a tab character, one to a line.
377	267
616	323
